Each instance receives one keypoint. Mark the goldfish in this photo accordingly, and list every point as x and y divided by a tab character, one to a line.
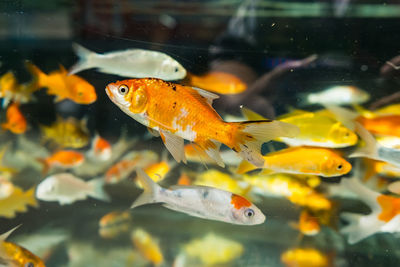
296	191
158	171
14	255
65	188
179	112
338	95
218	82
393	109
114	224
384	216
213	249
64	86
16	121
374	150
302	160
308	224
200	201
304	257
133	63
17	201
12	91
69	132
196	154
100	148
147	246
64	159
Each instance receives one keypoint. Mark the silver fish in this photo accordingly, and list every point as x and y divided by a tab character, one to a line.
338	95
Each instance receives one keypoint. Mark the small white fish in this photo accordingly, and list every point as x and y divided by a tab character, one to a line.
374	150
66	189
133	63
200	201
338	95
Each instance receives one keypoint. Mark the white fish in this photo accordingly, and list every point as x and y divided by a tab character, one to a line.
338	95
200	201
374	150
67	188
133	63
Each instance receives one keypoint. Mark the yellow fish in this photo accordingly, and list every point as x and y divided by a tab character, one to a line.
14	255
147	246
18	201
68	132
304	257
302	160
114	224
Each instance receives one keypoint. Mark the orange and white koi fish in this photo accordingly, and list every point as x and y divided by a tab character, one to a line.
385	215
100	149
200	201
16	122
217	82
13	255
114	224
64	86
304	257
64	159
302	160
147	246
12	91
180	112
17	201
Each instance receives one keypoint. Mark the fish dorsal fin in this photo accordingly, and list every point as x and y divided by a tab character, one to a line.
174	144
251	115
8	233
62	69
209	97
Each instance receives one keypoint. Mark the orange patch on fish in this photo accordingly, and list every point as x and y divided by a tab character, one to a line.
218	82
16	122
390	207
239	202
385	125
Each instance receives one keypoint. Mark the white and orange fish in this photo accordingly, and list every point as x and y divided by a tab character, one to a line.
64	159
100	149
200	201
179	112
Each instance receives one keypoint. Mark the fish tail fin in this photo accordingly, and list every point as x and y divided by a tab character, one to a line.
5	235
368	196
245	166
39	77
151	189
343	115
45	164
98	191
85	59
371	146
250	135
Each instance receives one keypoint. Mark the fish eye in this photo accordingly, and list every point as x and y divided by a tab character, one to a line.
123	89
176	69
29	264
340	166
249	213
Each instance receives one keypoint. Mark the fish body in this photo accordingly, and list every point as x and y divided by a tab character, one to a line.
393	109
338	95
64	86
384	125
302	160
304	257
133	63
64	159
180	112
65	188
147	246
308	224
200	201
14	255
17	201
218	82
100	148
158	171
12	91
67	133
114	224
16	121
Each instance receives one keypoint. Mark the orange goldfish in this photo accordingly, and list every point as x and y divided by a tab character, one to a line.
302	160
16	122
304	257
11	90
217	82
180	112
13	255
147	246
64	159
64	86
114	223
308	224
101	148
386	125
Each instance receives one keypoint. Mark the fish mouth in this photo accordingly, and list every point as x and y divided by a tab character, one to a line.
109	92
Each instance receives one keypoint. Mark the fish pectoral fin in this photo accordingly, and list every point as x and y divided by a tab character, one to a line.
153	132
211	148
174	144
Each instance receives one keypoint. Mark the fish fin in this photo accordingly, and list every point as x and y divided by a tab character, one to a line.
250	135
5	235
392	225
153	132
267	172
151	189
394	187
344	115
39	76
62	69
84	61
368	196
206	94
359	227
245	166
371	146
211	148
251	115
98	191
45	164
174	144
